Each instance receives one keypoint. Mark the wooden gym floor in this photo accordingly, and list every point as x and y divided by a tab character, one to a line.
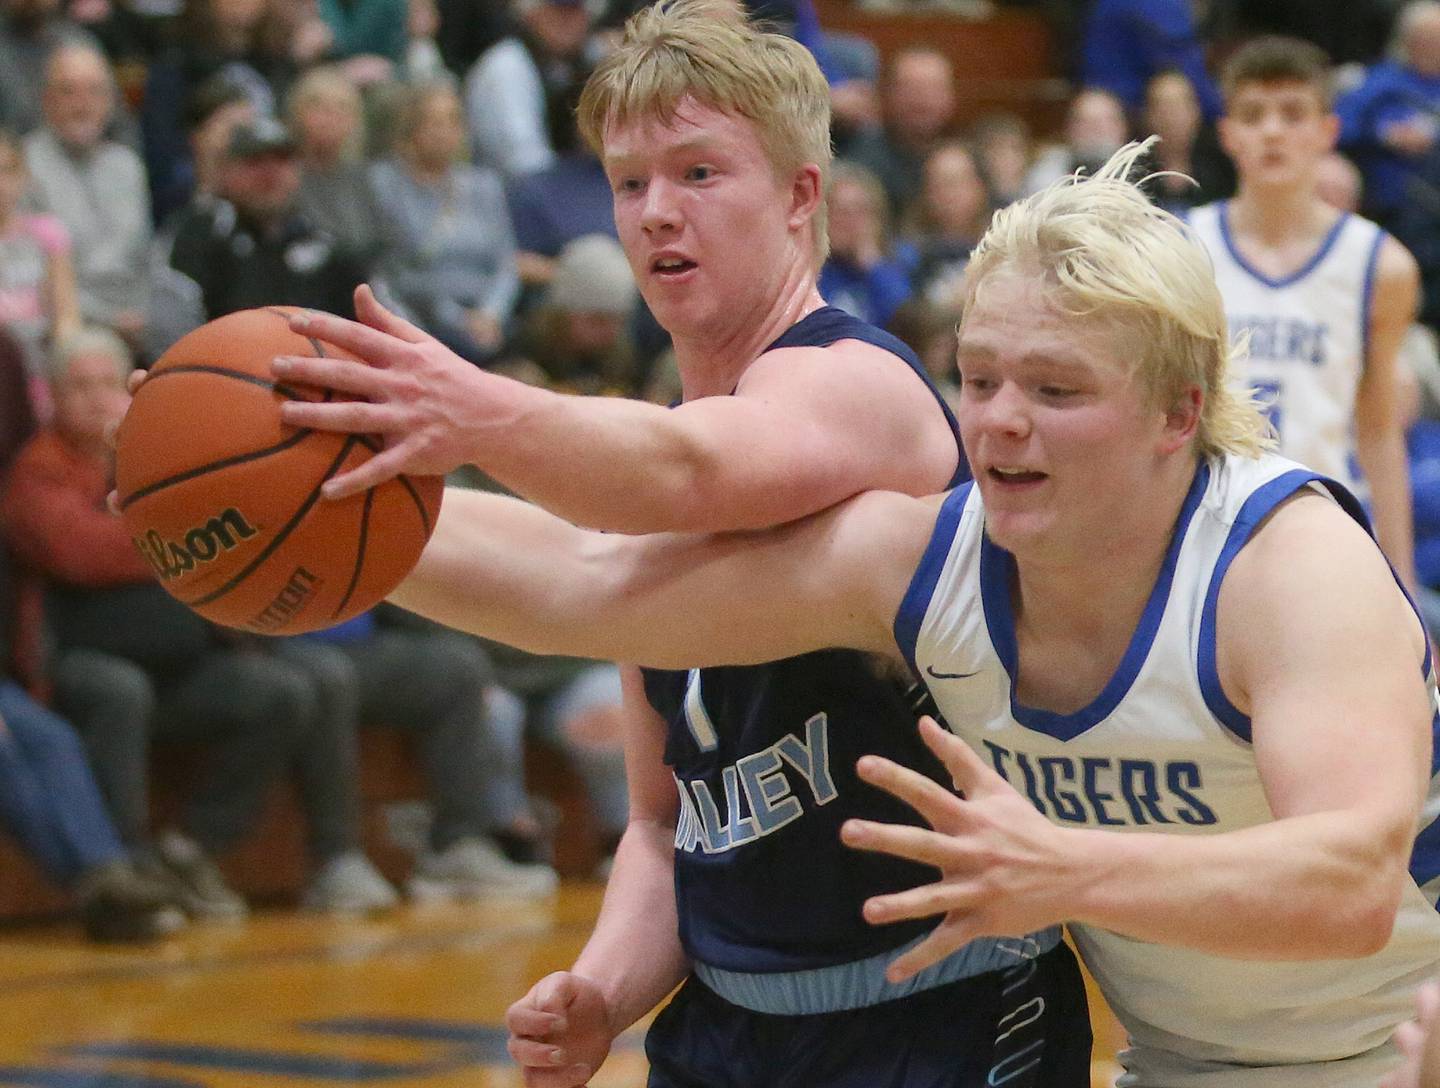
414	999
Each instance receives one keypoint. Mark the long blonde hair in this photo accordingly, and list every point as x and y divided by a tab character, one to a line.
1107	254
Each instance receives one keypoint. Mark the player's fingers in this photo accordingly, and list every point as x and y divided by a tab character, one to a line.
1410	1038
1427	1003
902	841
941	941
556	991
342	375
374	472
135	381
525	1020
534	1053
373	346
369	310
967	770
112	502
350	416
931	800
925	901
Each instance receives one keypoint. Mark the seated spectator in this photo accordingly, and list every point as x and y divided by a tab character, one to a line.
251	44
368	36
37	279
1190	167
917	106
448	252
1389	123
929	330
132	663
253	247
30	30
1002	140
579	336
96	187
17	409
953	211
1095	128
862	275
432	683
1126	42
519	90
327	119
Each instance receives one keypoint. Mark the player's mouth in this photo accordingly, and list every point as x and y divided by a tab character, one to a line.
1015	478
671	266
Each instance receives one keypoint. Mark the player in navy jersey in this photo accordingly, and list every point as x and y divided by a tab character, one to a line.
715	138
1195	711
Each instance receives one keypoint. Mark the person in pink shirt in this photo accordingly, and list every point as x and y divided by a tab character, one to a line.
37	281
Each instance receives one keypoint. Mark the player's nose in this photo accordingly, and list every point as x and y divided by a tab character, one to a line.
662	210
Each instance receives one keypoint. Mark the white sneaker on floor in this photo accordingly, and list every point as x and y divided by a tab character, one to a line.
349	884
475	868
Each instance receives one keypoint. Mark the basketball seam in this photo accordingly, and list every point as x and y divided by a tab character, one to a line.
281	536
214	466
286	391
419	503
359	553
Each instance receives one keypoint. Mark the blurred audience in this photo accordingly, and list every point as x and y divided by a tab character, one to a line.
96	187
37	278
863	275
132	663
518	92
30	30
952	213
254	247
368	36
327	119
448	258
1095	128
1127	42
917	101
1002	140
1190	167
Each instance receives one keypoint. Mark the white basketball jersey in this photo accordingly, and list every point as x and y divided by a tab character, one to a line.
1161	749
1309	334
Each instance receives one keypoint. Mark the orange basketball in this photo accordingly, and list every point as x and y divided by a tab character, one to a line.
224	500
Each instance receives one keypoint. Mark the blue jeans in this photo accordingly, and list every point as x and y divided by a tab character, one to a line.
48	797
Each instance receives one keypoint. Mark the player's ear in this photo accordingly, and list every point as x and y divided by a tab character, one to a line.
807	189
1332	130
1182	419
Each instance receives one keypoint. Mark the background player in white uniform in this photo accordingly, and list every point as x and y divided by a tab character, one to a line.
1251	753
1325	297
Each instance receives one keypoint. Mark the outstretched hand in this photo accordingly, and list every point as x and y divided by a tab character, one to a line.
411	390
998	857
560	1031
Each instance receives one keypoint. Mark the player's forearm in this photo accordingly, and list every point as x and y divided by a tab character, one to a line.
1382	458
605	463
1321	886
634	954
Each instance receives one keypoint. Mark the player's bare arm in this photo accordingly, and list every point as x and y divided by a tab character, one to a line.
509	571
561	1031
806	428
1379	429
1328	667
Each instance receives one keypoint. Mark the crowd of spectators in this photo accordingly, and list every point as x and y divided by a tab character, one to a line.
162	164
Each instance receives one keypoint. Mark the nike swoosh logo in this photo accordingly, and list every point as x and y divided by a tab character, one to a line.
930	671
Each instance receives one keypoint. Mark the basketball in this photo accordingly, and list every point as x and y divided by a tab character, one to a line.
223	499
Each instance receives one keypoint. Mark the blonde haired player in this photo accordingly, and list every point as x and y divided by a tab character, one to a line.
1195	711
1324	297
715	138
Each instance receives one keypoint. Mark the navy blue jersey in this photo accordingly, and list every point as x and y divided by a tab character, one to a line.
764	759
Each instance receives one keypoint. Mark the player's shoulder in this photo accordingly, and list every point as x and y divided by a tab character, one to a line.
845	367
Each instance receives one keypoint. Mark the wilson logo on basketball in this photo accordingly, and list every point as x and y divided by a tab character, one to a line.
171	559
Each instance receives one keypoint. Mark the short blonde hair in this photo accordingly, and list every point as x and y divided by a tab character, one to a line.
709	51
1107	254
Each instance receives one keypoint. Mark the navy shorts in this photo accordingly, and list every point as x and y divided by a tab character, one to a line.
1026	1027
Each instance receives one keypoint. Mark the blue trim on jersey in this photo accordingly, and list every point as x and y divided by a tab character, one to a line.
1262	501
1223	218
1367	299
1425	858
996	566
915	603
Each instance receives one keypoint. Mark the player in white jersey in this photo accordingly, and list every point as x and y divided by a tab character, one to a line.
1325	297
1183	651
